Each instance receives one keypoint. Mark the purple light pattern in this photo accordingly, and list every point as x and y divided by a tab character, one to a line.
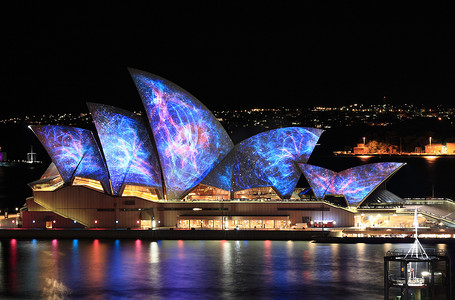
269	158
266	159
221	176
74	152
189	139
354	183
127	147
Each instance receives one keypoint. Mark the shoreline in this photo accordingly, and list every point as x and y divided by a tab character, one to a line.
274	235
424	155
160	234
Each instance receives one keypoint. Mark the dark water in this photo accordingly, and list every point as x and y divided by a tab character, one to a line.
138	269
13	184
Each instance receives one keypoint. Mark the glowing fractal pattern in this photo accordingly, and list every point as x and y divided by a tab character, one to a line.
354	183
73	151
192	147
266	159
127	148
189	139
221	175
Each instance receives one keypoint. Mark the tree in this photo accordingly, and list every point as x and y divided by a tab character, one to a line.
377	147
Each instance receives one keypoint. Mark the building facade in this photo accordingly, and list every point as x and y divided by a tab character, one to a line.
181	169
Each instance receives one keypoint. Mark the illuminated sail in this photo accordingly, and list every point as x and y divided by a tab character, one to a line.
189	139
266	159
355	184
129	153
74	152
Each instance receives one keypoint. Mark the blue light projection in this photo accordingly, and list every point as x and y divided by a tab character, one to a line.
266	159
269	158
320	179
221	176
189	139
127	148
74	152
354	183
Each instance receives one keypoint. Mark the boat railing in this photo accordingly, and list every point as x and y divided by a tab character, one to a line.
429	251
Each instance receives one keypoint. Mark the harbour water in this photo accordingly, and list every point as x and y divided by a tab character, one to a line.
141	269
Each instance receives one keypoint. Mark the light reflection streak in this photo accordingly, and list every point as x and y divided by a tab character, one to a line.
181	249
441	246
308	259
335	262
12	267
97	263
268	263
227	276
75	258
118	268
237	247
360	249
290	268
154	268
154	253
430	157
138	251
53	287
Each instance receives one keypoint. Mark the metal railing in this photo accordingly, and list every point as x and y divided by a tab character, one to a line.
429	251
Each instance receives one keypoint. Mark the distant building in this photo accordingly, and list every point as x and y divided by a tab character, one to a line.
450	148
435	149
361	149
392	149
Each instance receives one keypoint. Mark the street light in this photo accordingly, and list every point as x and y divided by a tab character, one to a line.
364	140
431	150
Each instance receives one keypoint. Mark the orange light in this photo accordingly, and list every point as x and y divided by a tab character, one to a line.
431	157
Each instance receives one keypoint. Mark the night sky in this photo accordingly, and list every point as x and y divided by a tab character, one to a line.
228	55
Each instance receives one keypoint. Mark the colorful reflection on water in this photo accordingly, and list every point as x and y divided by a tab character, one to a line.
101	269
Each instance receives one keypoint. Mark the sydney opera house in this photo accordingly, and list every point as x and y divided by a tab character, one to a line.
180	169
